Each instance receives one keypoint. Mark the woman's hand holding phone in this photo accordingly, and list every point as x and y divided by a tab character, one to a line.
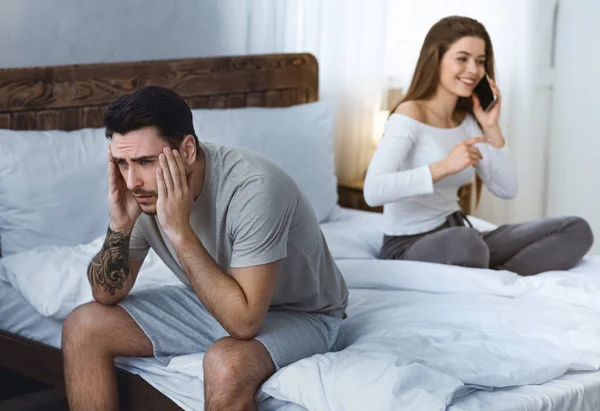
488	119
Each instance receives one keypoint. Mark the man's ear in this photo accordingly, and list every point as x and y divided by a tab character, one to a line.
188	149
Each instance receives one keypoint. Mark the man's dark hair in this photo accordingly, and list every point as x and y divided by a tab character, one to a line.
151	106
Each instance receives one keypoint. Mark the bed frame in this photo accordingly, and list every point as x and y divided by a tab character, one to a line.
74	97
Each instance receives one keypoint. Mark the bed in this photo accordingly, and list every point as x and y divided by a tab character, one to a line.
418	336
374	303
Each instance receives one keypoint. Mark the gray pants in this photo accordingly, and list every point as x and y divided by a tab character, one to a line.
527	248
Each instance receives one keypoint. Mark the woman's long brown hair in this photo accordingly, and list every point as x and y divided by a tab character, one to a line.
426	77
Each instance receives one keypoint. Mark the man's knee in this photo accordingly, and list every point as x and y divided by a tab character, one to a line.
229	360
219	361
84	327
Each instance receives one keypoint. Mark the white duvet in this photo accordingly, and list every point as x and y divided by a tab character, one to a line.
418	336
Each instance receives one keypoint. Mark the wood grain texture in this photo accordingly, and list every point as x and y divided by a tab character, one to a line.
5	120
24	121
47	119
72	97
44	363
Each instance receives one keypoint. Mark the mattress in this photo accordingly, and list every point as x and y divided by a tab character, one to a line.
396	309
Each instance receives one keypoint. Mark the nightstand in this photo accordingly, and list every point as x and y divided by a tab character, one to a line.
350	194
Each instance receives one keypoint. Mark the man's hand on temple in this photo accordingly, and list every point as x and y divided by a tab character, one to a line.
175	199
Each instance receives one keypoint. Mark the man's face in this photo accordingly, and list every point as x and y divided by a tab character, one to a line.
136	155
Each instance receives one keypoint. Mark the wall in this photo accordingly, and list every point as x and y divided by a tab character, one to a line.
52	32
575	134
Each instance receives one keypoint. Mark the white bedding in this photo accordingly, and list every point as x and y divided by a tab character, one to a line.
420	337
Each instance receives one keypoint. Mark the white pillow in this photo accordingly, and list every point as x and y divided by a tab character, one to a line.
53	279
53	188
298	138
353	234
53	183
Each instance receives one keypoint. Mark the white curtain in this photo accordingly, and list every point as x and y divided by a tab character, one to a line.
348	39
366	46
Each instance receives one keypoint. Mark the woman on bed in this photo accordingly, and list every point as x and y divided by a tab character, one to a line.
435	139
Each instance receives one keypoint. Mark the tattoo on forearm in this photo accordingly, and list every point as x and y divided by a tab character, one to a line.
109	269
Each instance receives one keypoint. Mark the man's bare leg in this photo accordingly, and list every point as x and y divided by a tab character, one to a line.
233	372
93	334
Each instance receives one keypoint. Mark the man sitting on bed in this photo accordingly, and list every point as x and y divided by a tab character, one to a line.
260	288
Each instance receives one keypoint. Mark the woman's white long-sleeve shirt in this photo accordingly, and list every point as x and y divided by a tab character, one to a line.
399	177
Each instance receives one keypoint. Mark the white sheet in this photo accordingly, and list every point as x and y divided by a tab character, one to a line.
433	334
18	317
572	392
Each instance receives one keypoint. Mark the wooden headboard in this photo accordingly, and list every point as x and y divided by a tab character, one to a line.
74	97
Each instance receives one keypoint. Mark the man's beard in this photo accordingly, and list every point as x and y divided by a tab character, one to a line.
150	213
146	193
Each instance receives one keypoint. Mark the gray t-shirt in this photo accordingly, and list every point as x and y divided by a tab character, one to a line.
250	212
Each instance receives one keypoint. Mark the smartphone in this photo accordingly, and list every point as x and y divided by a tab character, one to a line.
484	92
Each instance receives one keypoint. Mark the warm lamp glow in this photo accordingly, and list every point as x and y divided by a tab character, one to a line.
379	121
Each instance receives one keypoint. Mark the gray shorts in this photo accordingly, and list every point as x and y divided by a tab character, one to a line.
177	323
